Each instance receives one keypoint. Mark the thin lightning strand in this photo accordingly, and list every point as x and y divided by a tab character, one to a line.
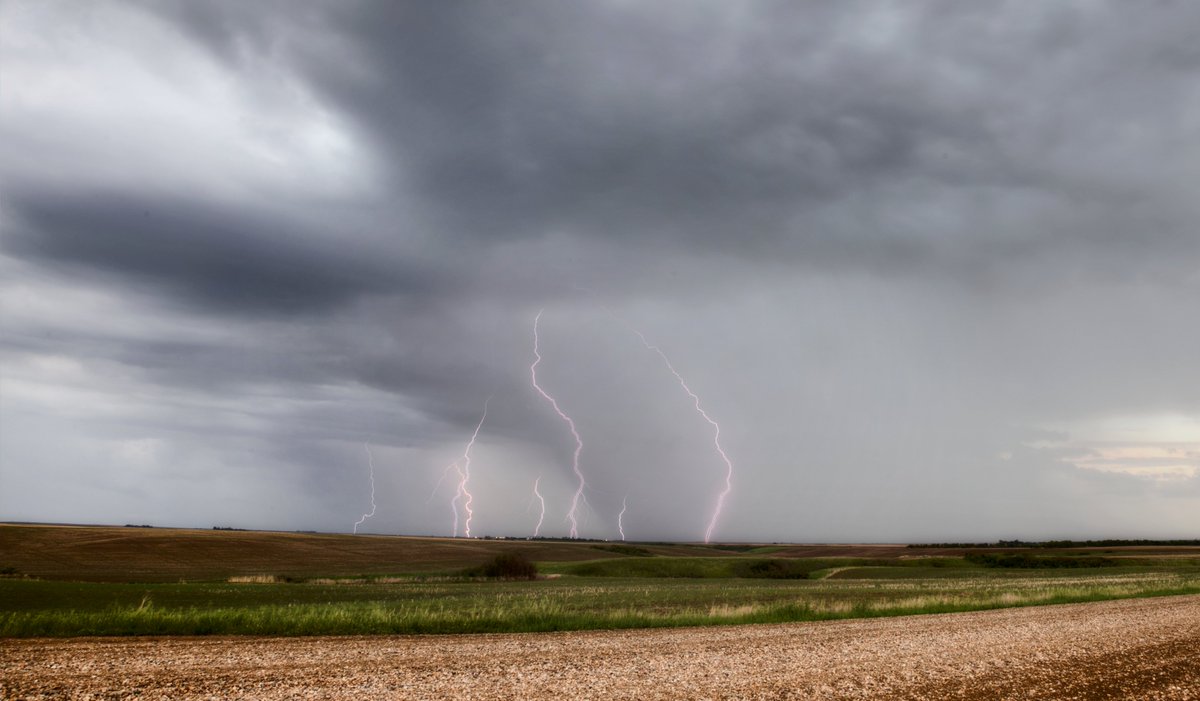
537	531
458	494
466	472
571	516
438	485
621	517
712	523
371	465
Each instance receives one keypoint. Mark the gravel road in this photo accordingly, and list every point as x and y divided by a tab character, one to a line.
1135	649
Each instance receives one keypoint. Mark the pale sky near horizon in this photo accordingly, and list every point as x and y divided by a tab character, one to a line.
933	267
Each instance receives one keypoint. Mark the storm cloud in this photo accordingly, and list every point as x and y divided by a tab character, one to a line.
932	266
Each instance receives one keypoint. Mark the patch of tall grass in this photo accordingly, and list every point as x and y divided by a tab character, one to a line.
565	604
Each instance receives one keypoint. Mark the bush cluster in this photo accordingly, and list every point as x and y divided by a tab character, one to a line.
772	569
1034	562
505	566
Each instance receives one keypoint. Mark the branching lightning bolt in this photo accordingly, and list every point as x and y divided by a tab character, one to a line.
371	465
461	468
571	514
712	523
466	474
537	530
621	517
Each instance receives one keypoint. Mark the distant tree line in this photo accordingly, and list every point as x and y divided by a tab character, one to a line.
1058	544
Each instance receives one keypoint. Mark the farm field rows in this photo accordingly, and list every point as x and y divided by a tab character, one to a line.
1134	649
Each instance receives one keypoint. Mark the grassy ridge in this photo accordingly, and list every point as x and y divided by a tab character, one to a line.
116	554
114	581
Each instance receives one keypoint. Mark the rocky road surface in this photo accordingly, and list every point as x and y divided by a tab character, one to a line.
1136	649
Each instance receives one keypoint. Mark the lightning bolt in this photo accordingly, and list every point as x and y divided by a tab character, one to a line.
371	465
571	514
457	494
542	515
621	517
466	474
716	514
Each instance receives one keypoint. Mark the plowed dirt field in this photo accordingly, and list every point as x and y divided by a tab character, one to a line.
1135	649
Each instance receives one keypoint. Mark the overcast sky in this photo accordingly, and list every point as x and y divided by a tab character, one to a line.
933	267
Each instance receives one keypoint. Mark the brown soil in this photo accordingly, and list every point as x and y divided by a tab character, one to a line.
1135	649
119	554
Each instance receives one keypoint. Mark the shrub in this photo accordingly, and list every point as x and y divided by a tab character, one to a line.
772	569
507	566
734	547
628	550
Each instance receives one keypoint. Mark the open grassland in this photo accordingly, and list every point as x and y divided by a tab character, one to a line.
68	609
303	584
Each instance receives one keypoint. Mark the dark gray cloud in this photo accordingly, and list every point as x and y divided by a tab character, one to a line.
927	263
765	131
209	255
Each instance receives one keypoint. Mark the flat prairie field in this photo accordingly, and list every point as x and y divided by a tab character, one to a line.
1129	649
135	612
65	582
